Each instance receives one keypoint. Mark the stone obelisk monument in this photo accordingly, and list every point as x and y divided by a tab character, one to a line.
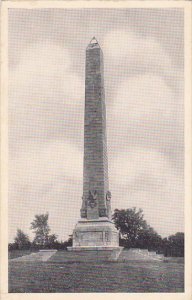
95	230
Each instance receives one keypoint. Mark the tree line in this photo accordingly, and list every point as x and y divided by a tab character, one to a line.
136	233
43	238
133	228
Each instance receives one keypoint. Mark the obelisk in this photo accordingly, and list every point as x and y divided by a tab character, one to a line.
95	230
95	176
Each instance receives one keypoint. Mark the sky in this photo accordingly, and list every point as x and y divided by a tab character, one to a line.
143	65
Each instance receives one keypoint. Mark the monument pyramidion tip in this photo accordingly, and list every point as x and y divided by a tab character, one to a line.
93	43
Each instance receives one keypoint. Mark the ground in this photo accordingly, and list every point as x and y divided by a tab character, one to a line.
19	253
130	276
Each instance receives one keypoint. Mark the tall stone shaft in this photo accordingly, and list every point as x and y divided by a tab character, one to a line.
95	230
95	175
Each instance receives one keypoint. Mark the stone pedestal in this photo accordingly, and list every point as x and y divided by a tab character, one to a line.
97	235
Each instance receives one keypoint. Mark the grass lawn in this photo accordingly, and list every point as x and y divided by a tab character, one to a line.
18	253
131	277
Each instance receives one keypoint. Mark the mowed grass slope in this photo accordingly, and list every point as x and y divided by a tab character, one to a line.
131	277
18	253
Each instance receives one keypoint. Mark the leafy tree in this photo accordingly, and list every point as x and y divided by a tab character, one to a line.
134	230
21	240
63	245
52	239
41	229
174	245
177	239
69	242
149	238
130	223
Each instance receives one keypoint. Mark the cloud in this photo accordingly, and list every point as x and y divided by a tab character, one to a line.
41	164
46	178
61	199
135	52
146	125
145	163
146	176
45	129
144	97
44	92
146	112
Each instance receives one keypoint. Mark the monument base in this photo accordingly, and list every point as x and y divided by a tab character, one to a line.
97	236
94	254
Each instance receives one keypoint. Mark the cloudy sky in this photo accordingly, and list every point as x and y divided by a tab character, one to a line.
143	59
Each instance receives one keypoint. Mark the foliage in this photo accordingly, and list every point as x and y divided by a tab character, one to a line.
174	245
129	222
52	239
43	238
53	243
68	243
148	238
21	240
177	239
41	229
134	230
12	246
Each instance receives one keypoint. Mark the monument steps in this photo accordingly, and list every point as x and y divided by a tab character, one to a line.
139	254
94	256
83	256
90	256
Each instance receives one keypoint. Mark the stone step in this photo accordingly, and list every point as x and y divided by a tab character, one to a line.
83	256
139	254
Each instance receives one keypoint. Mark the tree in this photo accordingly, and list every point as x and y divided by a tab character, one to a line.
22	240
174	245
177	239
129	222
52	239
41	229
69	242
149	239
134	230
